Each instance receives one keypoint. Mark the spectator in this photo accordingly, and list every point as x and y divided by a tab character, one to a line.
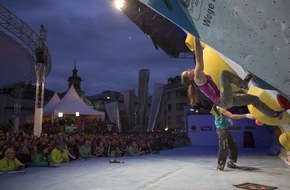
72	148
99	150
116	152
123	147
156	145
24	156
144	148
86	149
112	146
58	154
133	149
10	162
33	151
42	157
2	146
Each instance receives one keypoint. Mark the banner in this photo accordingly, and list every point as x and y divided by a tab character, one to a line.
155	107
112	110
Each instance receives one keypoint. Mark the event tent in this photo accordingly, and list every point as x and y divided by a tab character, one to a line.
70	104
52	102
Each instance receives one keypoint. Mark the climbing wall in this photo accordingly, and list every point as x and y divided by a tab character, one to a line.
253	34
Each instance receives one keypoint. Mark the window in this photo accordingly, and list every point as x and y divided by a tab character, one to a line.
168	95
181	93
180	106
169	120
180	119
169	107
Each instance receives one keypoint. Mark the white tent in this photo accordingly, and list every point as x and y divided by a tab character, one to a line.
52	102
72	103
48	107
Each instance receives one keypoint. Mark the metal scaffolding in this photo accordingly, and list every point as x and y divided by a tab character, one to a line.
14	26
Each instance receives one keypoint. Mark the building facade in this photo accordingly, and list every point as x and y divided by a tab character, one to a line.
9	100
176	105
173	98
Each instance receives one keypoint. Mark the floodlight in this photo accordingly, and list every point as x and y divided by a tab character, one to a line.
60	114
119	4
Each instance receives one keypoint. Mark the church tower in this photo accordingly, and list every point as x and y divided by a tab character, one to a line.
76	81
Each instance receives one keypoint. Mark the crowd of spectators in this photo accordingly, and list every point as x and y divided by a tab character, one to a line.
24	150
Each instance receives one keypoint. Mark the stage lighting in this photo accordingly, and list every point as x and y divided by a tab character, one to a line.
60	114
119	4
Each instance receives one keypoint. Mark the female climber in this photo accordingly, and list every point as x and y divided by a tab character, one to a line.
224	98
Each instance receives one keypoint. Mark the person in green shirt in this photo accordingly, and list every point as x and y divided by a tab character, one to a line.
133	149
225	139
58	154
10	162
86	149
42	157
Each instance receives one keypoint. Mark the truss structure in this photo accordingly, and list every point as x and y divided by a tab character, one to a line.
14	26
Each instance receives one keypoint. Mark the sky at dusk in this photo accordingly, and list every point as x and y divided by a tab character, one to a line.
108	48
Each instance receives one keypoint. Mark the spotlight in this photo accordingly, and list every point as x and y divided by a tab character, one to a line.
119	4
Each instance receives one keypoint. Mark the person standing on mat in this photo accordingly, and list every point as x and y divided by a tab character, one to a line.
224	98
226	141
